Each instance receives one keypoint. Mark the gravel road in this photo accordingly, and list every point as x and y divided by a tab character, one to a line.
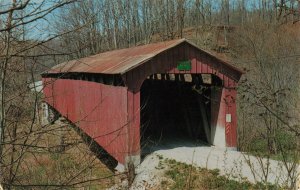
234	164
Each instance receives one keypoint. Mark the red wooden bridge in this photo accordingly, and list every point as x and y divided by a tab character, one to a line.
101	94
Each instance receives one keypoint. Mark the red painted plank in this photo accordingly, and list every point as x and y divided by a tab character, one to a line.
231	134
99	110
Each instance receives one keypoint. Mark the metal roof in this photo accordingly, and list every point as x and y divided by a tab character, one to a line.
122	60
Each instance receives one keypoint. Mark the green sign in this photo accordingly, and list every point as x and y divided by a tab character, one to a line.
184	65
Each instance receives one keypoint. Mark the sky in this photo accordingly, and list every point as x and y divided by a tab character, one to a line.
39	29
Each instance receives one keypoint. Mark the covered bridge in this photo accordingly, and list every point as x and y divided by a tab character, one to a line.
173	85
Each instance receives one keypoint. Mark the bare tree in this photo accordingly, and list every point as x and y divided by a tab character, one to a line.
22	57
269	93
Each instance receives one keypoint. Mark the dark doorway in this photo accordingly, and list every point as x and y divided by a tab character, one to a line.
174	110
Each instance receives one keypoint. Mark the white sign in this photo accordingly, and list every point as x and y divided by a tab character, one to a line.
228	118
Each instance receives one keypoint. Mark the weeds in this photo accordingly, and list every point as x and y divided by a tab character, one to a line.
201	178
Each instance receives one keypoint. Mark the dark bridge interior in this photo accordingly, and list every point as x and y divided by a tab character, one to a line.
174	110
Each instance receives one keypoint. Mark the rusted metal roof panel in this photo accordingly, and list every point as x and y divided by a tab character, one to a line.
120	61
117	61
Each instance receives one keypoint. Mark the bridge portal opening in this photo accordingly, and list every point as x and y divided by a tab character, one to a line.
175	110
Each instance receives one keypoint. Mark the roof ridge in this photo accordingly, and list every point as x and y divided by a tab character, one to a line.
123	60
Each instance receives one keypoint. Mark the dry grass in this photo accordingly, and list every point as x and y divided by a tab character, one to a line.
66	164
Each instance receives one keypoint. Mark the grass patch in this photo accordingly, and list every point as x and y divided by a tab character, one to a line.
184	176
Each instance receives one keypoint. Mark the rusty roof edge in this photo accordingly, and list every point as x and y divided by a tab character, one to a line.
151	56
219	59
137	65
